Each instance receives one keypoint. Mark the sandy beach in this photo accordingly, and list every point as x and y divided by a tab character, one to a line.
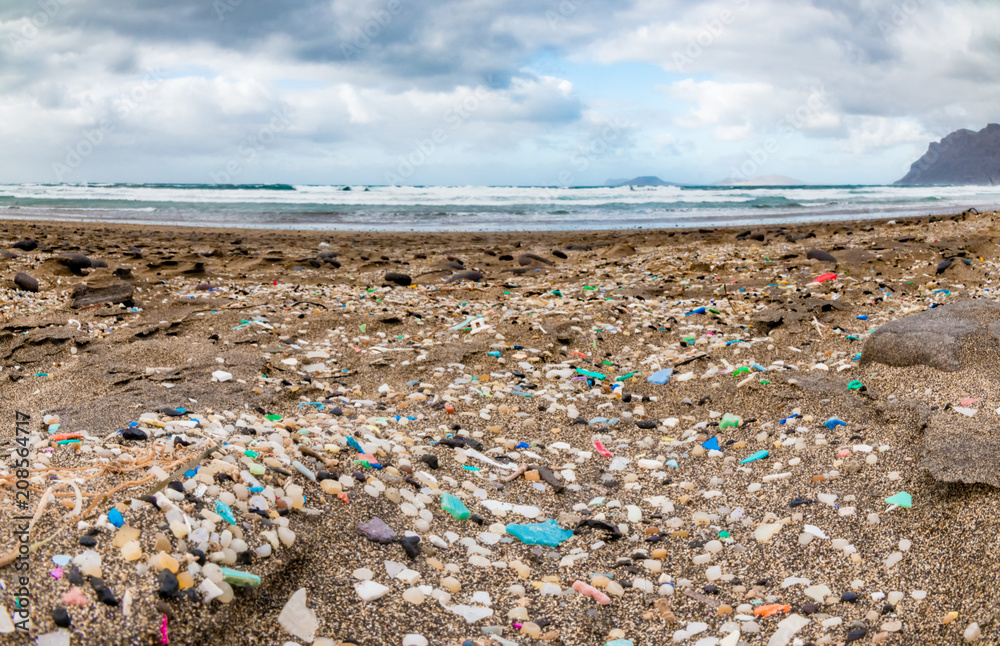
308	382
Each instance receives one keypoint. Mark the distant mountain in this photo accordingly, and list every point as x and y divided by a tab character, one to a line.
645	180
963	157
761	180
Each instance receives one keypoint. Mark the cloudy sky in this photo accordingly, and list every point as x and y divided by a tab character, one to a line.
560	92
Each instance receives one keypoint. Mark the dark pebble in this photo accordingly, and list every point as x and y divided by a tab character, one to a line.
134	434
399	279
168	586
26	282
61	617
856	634
88	541
26	245
849	597
819	254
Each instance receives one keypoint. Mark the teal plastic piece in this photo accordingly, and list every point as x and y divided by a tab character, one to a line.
588	373
451	504
901	499
759	455
548	533
240	579
225	511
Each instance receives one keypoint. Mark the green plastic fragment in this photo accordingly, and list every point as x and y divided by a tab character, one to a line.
273	418
855	385
65	442
764	381
741	371
728	420
607	363
689	339
588	373
624	377
901	499
251	454
590	288
451	504
723	534
257	469
240	579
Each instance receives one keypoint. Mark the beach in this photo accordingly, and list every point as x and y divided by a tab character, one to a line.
331	377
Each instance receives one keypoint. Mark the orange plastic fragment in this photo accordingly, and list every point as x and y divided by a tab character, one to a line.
770	609
822	277
449	408
343	497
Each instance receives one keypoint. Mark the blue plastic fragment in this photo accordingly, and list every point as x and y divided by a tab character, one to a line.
672	463
758	367
660	376
759	455
522	445
318	405
789	418
224	510
353	443
712	444
728	343
547	533
862	317
494	353
700	310
133	424
833	423
115	517
256	489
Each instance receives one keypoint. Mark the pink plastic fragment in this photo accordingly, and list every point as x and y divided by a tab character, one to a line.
163	631
588	590
969	401
824	277
75	597
843	453
600	449
57	573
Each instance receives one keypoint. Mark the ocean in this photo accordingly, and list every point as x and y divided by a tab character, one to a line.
478	208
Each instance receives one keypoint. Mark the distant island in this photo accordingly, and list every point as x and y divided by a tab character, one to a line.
761	180
964	157
645	180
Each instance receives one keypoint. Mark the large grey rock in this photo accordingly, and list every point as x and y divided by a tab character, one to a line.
951	338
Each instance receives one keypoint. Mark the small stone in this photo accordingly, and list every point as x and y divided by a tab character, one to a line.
370	590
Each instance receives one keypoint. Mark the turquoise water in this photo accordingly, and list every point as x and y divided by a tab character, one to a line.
477	208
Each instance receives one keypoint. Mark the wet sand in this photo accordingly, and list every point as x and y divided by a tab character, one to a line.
195	295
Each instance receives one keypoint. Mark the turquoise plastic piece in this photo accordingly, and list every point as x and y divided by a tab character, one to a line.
225	511
901	499
660	376
591	373
115	517
548	533
759	455
451	504
240	579
620	642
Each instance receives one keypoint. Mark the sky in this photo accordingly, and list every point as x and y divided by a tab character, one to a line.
457	92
